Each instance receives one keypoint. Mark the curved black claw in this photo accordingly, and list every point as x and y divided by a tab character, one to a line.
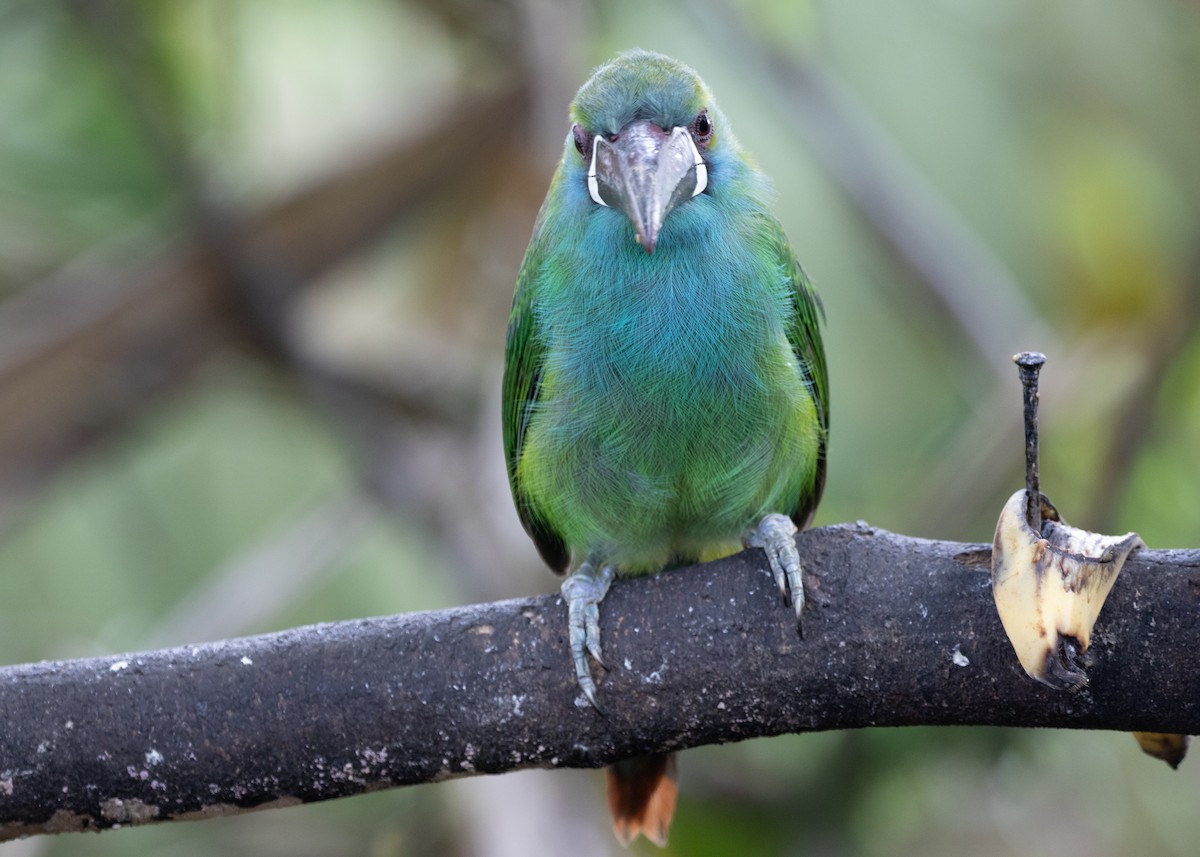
583	591
776	534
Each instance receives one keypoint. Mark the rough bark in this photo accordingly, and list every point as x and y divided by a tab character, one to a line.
899	631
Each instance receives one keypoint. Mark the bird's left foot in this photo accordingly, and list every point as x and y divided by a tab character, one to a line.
583	591
776	534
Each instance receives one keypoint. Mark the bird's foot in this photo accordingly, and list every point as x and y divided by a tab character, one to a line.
776	534
583	591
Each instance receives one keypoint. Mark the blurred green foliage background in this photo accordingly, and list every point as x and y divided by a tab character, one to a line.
249	380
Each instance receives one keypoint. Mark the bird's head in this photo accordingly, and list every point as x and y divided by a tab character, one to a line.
646	129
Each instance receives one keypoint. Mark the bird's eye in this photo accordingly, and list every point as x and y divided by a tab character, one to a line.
583	140
702	127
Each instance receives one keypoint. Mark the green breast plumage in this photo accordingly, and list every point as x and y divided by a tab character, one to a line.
672	412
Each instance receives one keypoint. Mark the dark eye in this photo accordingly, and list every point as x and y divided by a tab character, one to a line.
702	127
583	140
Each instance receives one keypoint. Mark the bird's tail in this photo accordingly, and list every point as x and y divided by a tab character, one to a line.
641	797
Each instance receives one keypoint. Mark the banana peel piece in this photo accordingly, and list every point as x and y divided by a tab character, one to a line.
1168	746
1049	587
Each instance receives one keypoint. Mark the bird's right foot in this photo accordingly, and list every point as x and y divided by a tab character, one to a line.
583	591
776	534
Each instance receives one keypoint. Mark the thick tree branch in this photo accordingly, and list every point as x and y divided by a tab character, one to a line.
899	631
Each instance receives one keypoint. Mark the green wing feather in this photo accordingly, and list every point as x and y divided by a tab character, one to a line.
524	362
804	334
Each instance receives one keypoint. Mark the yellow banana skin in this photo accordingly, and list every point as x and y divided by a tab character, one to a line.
1168	746
1049	587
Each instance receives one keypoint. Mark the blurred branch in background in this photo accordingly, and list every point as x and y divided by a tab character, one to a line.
959	276
241	593
81	352
1169	338
432	392
958	279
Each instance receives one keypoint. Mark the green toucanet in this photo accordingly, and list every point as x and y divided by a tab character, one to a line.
665	391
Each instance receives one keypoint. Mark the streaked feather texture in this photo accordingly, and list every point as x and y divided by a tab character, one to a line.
665	389
657	405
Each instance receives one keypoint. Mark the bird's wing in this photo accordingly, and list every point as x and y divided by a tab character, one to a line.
524	362
804	334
